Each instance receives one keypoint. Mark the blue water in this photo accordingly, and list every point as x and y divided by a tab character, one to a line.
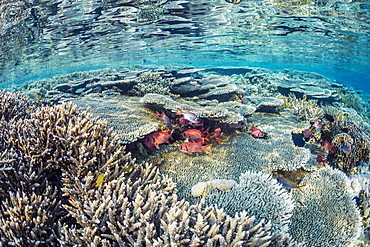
52	37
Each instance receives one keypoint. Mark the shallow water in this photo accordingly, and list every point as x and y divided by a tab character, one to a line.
234	64
44	38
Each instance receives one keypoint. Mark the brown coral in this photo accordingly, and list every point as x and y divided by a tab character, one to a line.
50	166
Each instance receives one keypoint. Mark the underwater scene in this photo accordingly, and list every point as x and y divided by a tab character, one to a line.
185	123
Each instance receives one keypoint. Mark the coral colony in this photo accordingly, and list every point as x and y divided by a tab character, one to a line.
184	157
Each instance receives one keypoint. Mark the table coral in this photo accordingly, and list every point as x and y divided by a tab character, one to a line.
127	115
259	195
327	215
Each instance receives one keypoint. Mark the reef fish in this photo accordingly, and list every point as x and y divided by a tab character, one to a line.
238	125
327	145
298	140
317	124
157	138
289	184
217	135
100	179
346	149
257	133
195	135
165	118
189	116
193	147
320	159
307	134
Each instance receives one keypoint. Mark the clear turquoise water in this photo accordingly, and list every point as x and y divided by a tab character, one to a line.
42	38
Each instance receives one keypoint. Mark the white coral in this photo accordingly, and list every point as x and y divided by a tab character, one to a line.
221	184
359	182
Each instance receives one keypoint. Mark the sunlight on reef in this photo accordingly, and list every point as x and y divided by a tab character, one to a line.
208	157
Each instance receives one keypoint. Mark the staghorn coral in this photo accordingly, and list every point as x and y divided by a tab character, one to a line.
34	151
307	110
257	194
14	105
52	165
28	219
327	215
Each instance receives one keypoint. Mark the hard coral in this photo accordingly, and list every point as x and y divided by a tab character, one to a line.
259	195
327	216
54	193
307	110
352	144
35	151
127	115
14	105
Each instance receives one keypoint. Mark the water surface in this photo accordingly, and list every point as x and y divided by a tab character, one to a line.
41	38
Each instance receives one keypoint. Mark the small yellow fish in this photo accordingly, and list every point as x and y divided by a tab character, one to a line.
100	179
129	169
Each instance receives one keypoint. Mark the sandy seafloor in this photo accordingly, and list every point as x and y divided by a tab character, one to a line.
297	112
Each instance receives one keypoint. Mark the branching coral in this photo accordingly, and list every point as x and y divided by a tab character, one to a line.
14	106
28	219
140	208
66	180
34	152
307	110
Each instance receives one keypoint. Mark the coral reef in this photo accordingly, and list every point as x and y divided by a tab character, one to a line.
67	181
226	112
299	83
327	216
127	115
14	106
34	151
152	82
352	144
239	153
130	210
257	194
307	110
266	104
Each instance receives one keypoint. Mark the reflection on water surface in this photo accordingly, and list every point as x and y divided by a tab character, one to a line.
43	38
